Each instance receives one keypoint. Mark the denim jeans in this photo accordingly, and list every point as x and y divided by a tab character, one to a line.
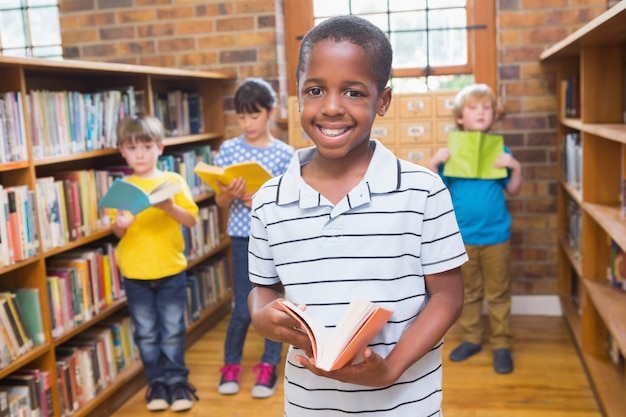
240	318
157	310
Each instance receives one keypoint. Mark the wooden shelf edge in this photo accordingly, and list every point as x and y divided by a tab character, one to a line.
610	219
571	256
25	358
597	28
610	303
607	383
572	318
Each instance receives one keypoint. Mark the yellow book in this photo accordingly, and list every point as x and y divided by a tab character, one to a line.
253	172
18	317
108	279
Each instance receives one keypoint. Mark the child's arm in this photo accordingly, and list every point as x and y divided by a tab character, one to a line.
236	189
176	212
440	157
445	302
271	322
515	181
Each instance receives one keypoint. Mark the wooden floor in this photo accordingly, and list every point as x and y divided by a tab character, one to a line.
548	380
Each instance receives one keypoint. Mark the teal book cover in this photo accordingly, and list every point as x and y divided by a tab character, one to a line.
123	195
472	155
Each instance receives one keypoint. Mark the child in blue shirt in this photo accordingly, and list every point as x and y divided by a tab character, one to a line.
485	223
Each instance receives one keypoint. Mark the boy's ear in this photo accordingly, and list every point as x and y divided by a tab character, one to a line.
384	101
161	147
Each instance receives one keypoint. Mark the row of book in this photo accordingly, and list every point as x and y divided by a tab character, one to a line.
570	96
21	323
81	283
12	130
64	204
574	227
616	265
206	285
19	235
91	361
180	111
26	392
572	160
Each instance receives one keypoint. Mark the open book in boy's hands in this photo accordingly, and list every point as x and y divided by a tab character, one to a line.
123	195
472	155
334	348
253	172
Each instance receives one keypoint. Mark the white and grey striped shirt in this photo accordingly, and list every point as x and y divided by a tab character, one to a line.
394	227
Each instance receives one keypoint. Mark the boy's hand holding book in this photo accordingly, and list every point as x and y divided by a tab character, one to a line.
334	348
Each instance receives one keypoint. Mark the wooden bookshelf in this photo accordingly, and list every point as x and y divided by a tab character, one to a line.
24	75
596	53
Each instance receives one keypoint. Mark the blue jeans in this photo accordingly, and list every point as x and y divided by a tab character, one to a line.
240	318
157	310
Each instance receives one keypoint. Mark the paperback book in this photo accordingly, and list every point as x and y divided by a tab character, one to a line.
472	155
123	195
334	348
254	173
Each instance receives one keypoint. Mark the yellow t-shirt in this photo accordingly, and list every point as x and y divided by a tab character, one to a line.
153	245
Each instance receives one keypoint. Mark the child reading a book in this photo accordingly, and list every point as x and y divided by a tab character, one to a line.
151	259
485	226
255	105
350	220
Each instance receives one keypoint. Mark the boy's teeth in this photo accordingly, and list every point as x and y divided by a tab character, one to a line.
333	132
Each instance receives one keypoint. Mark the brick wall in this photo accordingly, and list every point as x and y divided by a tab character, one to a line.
525	29
241	38
245	38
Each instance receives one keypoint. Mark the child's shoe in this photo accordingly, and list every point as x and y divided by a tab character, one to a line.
229	383
266	380
157	396
182	395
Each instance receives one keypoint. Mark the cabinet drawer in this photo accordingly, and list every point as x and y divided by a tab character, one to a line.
415	105
416	154
445	104
443	128
415	133
385	132
297	137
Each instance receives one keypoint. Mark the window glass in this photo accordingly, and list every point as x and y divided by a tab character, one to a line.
30	28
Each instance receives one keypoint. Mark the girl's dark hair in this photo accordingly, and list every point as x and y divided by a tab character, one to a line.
254	94
355	30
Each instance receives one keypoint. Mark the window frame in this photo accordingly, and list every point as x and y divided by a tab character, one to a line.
299	18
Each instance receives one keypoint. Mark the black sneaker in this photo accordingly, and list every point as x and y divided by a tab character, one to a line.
157	397
181	396
464	351
502	361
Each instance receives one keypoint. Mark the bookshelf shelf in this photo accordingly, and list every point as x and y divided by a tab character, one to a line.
25	76
596	56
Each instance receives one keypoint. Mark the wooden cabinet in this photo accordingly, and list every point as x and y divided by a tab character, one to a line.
415	126
25	75
594	57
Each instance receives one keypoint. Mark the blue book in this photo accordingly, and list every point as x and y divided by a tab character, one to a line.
122	195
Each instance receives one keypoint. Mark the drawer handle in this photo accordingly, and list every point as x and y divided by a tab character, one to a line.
415	130
415	105
380	131
449	103
416	156
450	128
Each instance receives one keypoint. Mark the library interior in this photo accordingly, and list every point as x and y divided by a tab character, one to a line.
71	71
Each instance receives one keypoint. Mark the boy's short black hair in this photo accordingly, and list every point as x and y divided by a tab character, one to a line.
355	30
254	94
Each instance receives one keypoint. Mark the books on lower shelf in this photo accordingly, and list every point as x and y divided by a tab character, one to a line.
356	328
616	266
207	283
19	232
472	155
572	160
19	320
253	172
91	361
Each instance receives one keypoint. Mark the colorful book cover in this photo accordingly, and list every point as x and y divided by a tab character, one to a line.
254	173
122	195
